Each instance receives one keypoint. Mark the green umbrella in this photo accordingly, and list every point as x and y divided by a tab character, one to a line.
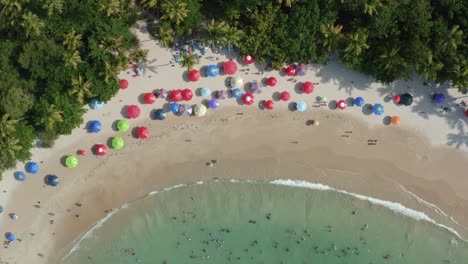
71	161
118	143
123	125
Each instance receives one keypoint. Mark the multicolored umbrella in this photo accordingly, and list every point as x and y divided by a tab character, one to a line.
236	93
395	120
185	109
230	67
100	149
396	99
255	87
220	95
149	98
269	104
248	59
307	87
200	110
342	104
159	114
359	101
187	94
94	126
378	109
236	82
301	69
439	98
123	84
143	132
213	103
174	107
205	91
175	96
133	111
20	176
301	106
123	125
290	71
160	93
32	167
272	81
248	98
117	143
194	75
71	161
285	96
212	70
96	104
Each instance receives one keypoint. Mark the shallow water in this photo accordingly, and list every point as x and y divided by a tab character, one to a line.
264	223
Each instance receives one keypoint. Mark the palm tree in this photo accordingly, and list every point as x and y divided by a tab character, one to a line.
111	7
139	55
216	32
460	79
109	72
234	36
8	148
164	35
286	3
11	11
429	68
148	4
332	36
49	116
53	6
174	10
452	40
72	59
370	7
113	44
31	24
81	89
72	40
357	43
187	60
7	125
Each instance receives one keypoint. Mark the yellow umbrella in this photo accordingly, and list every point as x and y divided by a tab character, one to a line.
200	110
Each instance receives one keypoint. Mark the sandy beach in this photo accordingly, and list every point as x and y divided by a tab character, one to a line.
419	164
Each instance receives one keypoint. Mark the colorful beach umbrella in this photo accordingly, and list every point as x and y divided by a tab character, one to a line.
160	93
123	84
117	143
94	126
290	71
396	99
213	103
71	161
248	98
285	96
96	104
200	110
220	95
32	167
100	149
20	176
52	180
185	109
359	101
123	125
272	81
143	132
248	59
395	120
175	95
212	70
236	93
230	67
194	75
301	69
342	104
255	87
269	104
149	98
236	82
187	94
307	87
301	106
133	111
174	107
406	99
205	91
378	109
439	98
10	236
159	114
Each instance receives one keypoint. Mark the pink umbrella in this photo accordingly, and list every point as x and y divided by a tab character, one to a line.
230	67
396	99
342	104
307	87
290	71
123	84
187	94
133	111
143	132
149	98
248	98
194	75
269	105
271	81
285	96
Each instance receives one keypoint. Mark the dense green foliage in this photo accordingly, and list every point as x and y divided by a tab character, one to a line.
55	55
388	39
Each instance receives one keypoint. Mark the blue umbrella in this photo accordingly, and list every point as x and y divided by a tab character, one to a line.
378	109
301	106
174	107
20	176
94	126
236	93
10	236
52	180
213	103
160	114
96	104
205	91
1	209
439	98
212	70
32	167
359	101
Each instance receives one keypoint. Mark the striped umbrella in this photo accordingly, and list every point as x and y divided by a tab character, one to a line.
160	93
255	87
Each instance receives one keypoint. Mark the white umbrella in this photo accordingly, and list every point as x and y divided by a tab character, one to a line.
200	110
236	82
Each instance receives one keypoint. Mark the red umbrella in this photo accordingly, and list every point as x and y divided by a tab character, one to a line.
150	98
175	95
285	96
194	75
123	84
82	152
269	104
248	98
230	67
100	149
187	94
307	87
396	99
342	104
133	111
143	132
466	112
248	59
271	81
290	71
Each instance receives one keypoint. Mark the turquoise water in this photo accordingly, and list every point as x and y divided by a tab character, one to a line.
264	223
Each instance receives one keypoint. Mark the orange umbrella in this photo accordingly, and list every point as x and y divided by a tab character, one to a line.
395	120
